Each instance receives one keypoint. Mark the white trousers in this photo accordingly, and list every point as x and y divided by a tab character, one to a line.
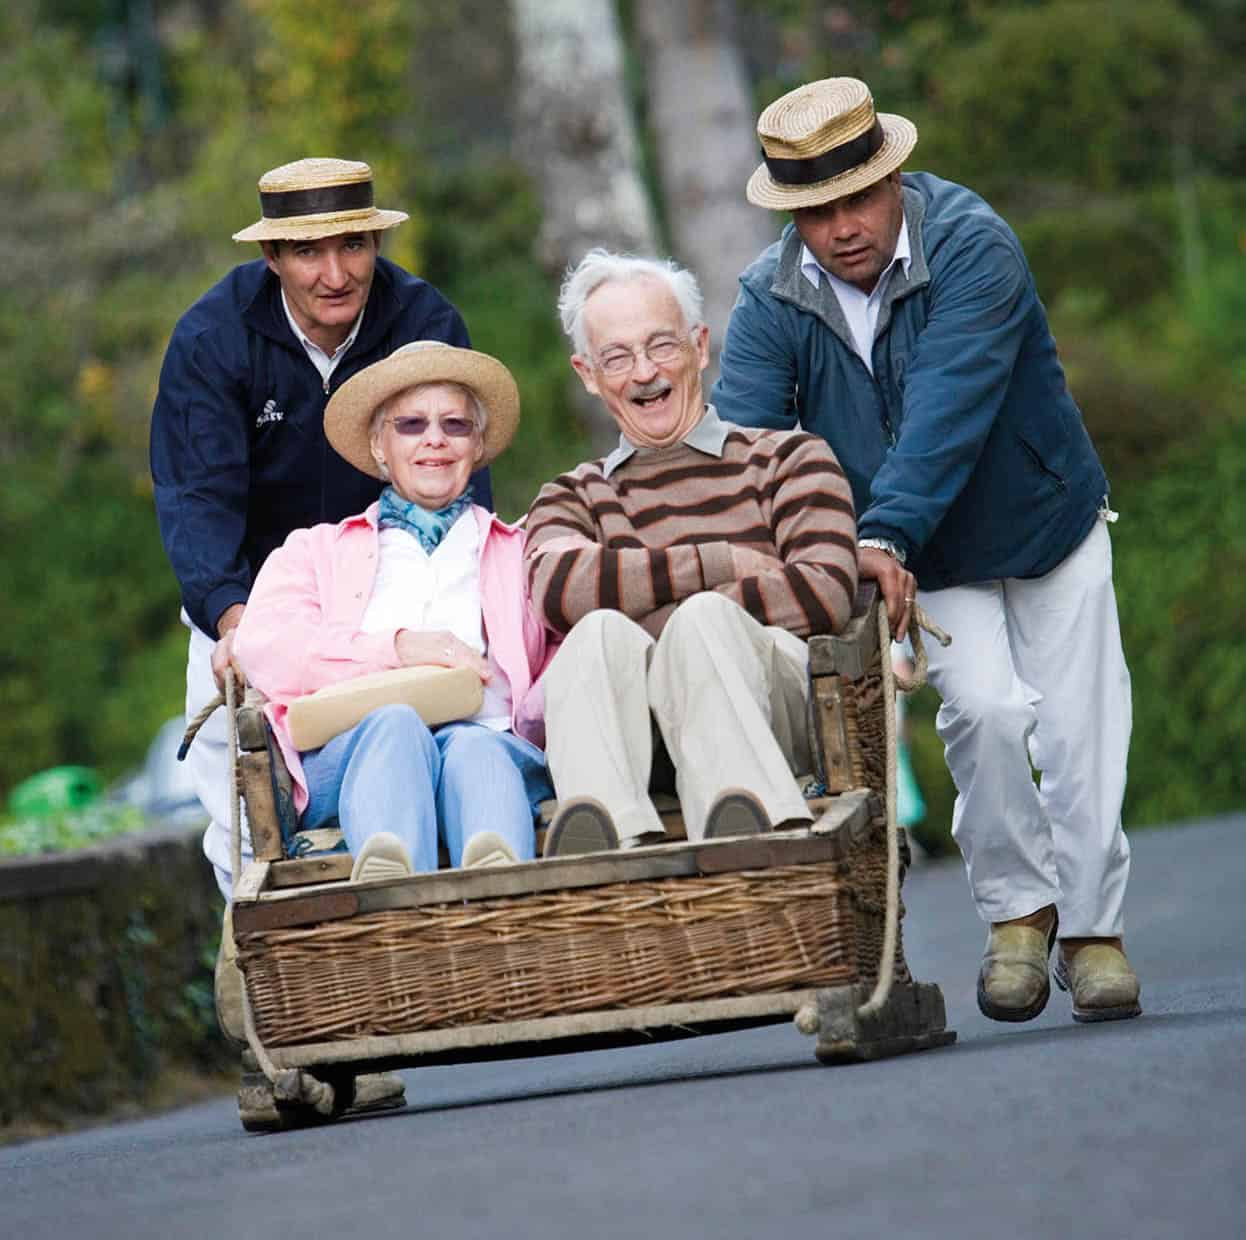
1036	675
729	696
208	760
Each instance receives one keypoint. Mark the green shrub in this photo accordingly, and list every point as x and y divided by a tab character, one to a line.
1180	553
66	831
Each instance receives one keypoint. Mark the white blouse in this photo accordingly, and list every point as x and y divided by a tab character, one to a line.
415	590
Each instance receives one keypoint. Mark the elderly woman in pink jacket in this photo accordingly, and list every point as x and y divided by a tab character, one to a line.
423	577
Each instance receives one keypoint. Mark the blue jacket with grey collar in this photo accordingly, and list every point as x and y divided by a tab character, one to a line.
964	447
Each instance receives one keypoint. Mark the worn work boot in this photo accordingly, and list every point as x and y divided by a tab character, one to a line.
1013	983
227	987
1099	979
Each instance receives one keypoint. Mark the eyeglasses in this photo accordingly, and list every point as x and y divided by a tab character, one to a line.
452	426
661	351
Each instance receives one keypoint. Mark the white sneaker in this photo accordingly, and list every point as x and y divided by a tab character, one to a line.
487	848
382	856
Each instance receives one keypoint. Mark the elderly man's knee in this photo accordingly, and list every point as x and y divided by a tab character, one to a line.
702	610
603	644
603	629
691	625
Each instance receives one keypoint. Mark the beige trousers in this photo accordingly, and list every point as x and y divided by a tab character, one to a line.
729	696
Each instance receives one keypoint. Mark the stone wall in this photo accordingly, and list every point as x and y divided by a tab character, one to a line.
106	961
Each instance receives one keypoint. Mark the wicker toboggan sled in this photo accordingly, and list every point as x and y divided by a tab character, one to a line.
601	950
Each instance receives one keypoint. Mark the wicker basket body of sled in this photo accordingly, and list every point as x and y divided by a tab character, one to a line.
604	949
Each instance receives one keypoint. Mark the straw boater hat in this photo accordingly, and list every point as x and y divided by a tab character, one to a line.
314	198
350	409
824	141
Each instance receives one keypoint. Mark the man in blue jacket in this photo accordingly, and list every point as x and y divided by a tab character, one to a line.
896	316
238	452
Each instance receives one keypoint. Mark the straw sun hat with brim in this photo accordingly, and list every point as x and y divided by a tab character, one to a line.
824	141
313	198
350	409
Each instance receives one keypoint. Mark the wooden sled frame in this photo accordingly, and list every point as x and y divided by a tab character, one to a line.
294	1075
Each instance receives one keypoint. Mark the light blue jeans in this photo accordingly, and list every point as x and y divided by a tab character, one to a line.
390	772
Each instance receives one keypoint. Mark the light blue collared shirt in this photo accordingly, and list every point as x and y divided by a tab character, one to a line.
708	436
860	309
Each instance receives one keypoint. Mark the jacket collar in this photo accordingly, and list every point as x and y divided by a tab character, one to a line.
790	286
370	517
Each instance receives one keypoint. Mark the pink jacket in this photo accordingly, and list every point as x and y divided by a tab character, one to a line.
300	630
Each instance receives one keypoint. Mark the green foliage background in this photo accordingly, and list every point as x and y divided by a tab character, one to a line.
130	154
1110	133
1112	136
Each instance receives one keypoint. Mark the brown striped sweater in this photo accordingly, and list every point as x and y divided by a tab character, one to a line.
664	522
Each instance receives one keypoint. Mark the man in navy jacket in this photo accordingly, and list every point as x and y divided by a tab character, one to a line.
897	317
238	452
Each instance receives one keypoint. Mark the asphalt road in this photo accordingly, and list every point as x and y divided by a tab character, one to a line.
1134	1129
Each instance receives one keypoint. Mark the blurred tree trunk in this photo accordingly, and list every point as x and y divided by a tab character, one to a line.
702	118
577	137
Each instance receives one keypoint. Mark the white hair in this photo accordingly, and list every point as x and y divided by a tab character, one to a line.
599	266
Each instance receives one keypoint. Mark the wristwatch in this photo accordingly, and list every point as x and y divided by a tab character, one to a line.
884	544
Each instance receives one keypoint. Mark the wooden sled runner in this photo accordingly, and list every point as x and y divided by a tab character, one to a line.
601	950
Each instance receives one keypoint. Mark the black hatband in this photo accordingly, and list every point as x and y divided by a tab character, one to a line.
291	202
830	163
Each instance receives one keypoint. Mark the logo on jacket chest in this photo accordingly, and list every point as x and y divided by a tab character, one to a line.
270	413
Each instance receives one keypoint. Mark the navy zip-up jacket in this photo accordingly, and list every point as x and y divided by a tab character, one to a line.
238	452
964	447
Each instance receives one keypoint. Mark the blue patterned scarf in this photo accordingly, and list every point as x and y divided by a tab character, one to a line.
429	527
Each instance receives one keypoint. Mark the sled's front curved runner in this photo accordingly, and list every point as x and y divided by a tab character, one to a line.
605	949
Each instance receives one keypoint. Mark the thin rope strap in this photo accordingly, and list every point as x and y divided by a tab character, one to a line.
891	924
235	812
920	620
192	728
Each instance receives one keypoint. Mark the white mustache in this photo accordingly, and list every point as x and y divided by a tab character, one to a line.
655	387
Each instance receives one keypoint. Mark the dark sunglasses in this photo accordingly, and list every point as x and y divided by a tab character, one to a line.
453	427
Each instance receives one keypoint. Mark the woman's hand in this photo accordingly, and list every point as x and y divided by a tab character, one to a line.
440	648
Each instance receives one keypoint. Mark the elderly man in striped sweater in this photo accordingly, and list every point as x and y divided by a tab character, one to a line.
685	570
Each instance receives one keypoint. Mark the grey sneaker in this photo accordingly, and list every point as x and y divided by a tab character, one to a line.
736	811
582	825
